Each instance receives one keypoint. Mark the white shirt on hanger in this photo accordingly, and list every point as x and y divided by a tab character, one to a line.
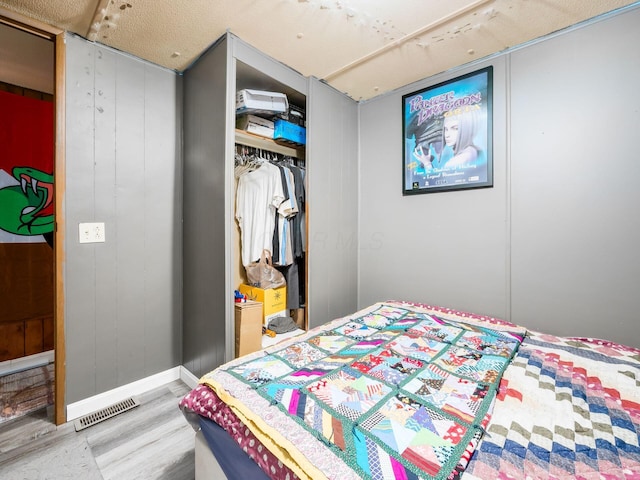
258	197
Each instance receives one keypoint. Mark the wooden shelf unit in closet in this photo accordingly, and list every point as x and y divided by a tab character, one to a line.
256	141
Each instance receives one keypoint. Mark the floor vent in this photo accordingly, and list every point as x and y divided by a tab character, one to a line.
108	412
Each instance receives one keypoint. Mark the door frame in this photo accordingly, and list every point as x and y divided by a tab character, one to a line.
57	36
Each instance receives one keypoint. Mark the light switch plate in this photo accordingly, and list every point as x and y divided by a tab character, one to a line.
91	232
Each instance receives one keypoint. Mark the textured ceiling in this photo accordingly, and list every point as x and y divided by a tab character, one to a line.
361	47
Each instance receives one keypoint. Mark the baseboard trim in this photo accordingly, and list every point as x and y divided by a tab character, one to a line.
24	363
188	378
105	399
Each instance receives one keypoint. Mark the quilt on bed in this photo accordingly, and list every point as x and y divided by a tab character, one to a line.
395	391
567	408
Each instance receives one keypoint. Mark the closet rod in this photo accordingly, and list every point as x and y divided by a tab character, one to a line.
249	140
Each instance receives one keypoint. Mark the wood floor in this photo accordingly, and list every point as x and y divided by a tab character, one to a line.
152	441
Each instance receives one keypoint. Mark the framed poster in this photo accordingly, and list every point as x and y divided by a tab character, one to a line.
447	135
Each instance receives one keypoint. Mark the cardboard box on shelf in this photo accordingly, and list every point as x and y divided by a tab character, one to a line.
256	125
260	101
274	300
248	319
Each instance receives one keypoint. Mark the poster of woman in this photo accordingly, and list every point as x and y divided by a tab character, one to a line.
448	136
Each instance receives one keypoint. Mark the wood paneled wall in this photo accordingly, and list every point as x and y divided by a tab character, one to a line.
28	337
26	281
26	296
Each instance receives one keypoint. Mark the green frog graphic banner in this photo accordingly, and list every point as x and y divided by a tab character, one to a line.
26	169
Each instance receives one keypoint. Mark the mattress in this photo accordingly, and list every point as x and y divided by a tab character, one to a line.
401	390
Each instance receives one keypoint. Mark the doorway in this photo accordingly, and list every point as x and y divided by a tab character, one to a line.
31	247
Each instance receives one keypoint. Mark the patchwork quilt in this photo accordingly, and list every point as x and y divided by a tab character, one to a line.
395	391
567	408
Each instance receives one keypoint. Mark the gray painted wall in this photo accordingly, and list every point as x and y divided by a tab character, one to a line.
575	219
551	248
205	120
332	196
553	245
123	168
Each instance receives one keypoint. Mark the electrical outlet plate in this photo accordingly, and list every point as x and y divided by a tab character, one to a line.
91	232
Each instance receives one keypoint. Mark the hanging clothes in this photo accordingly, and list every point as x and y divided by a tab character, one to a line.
299	227
294	248
287	211
270	203
258	197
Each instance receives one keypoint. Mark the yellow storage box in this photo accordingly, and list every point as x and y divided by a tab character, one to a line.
274	300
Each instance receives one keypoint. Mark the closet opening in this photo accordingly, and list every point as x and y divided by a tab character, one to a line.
265	157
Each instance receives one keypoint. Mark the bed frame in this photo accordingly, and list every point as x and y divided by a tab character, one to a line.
207	467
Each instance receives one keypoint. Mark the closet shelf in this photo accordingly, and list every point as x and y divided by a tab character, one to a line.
255	141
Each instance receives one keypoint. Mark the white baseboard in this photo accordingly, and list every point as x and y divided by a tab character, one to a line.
188	378
106	399
24	363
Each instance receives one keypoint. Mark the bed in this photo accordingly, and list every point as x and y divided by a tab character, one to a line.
411	391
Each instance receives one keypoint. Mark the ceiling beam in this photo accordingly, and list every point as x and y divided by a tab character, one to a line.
98	18
396	43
